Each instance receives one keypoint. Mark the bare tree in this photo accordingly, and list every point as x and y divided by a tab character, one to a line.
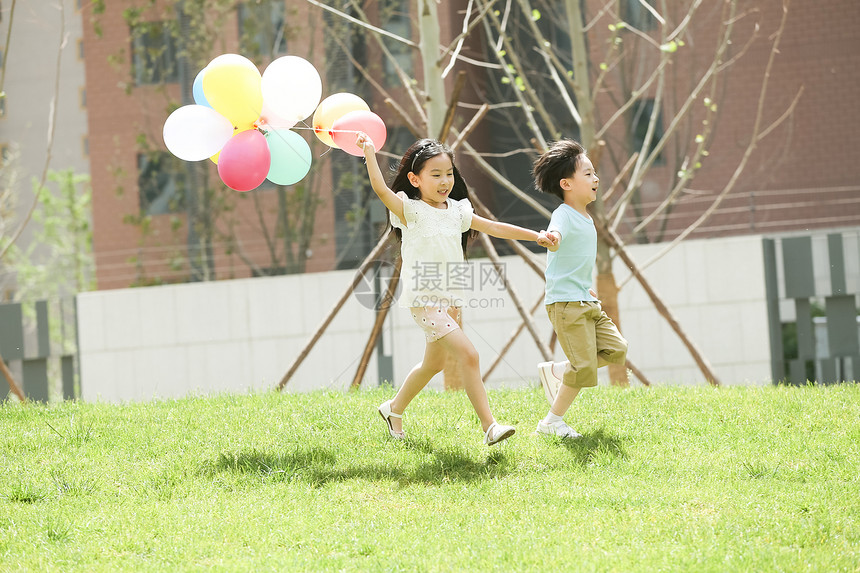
9	177
639	86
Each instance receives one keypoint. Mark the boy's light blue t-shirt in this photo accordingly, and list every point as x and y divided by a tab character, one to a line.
569	269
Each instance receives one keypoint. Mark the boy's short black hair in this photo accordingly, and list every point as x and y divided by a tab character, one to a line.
559	161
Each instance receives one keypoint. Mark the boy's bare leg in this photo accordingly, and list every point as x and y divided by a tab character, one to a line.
554	424
565	397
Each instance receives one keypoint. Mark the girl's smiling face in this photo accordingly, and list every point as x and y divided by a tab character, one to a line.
434	180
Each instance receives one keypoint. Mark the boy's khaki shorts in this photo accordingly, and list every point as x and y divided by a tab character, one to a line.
588	338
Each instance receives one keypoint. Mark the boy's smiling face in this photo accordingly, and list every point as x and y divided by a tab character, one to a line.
580	189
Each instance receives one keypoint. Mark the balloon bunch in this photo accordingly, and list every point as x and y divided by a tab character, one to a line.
242	120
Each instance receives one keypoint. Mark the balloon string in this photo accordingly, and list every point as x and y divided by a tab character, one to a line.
308	128
327	130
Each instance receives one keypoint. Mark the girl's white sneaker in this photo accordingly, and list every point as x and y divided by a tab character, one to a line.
387	414
497	432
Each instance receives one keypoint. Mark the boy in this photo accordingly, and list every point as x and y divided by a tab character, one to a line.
586	334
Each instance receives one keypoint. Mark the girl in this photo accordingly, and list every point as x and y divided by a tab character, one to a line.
432	216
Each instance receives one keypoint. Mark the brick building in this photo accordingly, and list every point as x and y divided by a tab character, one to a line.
803	176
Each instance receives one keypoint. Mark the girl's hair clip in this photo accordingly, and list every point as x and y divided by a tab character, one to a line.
418	152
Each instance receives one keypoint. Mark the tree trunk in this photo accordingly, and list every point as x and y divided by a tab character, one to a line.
607	288
434	85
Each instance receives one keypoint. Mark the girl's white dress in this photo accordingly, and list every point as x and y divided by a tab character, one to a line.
433	264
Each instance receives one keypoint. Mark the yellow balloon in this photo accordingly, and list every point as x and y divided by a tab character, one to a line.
333	108
232	88
244	127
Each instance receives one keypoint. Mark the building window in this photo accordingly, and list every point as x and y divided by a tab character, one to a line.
82	97
637	15
81	50
161	183
154	54
263	29
642	111
85	145
394	15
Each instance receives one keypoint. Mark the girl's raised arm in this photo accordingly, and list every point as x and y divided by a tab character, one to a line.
377	181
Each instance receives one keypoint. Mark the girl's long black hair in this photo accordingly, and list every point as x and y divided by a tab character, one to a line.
413	160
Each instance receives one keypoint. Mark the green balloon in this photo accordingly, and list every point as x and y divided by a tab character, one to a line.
291	157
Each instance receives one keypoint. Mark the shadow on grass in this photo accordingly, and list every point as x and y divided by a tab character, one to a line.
595	448
318	466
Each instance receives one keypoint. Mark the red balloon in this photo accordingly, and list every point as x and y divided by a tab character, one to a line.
244	161
344	130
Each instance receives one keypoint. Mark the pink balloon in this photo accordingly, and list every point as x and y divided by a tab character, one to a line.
344	130
244	161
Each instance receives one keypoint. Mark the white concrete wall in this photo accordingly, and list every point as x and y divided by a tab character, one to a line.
170	341
716	290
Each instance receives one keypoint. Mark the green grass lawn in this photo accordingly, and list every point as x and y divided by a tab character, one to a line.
667	479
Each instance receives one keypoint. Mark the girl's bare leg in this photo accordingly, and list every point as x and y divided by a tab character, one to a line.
464	355
418	377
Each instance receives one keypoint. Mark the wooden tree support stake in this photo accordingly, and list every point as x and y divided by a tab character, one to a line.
452	107
13	386
638	373
615	242
377	250
510	341
382	312
526	254
497	263
476	119
401	114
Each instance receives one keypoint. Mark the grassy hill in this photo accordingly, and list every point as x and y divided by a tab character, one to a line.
666	479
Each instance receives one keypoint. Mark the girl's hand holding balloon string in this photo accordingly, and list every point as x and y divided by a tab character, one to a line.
362	141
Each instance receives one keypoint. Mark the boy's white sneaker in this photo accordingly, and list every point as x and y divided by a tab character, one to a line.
559	429
549	381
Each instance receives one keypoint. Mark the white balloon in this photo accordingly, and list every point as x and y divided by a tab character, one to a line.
196	132
291	87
